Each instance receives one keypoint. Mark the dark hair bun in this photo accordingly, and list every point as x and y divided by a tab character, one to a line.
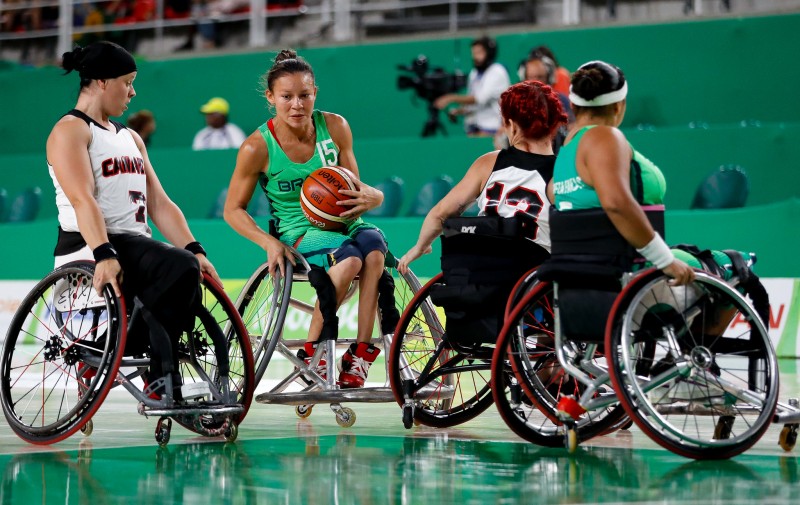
588	83
596	78
71	59
286	54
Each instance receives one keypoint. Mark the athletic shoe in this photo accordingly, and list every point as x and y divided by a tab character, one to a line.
355	364
307	352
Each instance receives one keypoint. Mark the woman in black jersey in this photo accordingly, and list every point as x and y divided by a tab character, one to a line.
509	182
105	189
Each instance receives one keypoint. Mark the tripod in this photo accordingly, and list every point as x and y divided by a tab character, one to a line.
432	125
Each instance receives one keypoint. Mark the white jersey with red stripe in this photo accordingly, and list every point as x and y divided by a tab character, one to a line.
517	186
119	178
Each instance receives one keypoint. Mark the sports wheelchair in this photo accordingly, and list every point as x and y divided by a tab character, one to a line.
441	357
591	343
264	305
67	347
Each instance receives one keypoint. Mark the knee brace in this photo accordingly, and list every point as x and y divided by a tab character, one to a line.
326	294
386	303
347	250
370	240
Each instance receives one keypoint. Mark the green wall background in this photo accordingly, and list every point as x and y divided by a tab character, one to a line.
194	178
733	77
768	230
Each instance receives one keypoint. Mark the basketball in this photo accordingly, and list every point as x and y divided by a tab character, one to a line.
320	194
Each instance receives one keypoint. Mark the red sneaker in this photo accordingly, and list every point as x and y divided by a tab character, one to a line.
355	364
153	395
307	352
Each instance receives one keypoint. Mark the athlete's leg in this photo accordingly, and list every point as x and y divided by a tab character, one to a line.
341	275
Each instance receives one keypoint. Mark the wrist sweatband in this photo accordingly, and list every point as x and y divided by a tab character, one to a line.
657	252
104	252
195	248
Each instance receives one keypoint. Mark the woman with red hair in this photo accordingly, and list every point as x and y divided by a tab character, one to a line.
511	181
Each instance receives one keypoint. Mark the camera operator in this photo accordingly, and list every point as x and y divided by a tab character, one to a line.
486	82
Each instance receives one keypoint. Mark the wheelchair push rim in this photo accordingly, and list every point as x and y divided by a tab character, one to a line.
710	389
61	355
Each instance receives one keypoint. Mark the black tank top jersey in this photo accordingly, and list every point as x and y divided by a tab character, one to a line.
518	186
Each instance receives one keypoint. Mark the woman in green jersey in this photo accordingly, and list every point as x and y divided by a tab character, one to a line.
597	167
278	156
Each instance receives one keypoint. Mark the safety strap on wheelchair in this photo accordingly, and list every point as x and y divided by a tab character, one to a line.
386	303
751	284
326	295
705	257
493	226
159	338
749	281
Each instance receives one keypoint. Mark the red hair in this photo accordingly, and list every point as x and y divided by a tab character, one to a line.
535	107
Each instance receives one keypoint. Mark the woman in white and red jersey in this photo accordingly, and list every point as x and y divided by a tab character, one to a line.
105	190
511	181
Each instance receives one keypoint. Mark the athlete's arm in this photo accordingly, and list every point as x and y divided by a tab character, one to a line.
252	160
454	203
365	197
68	154
603	162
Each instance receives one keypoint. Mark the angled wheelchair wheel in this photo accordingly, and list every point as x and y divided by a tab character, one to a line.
527	380
262	304
61	355
693	365
218	334
446	386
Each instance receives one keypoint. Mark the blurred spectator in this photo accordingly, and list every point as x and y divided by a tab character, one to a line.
486	82
538	66
207	14
143	123
219	133
561	83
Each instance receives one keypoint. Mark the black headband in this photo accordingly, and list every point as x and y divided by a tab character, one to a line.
99	60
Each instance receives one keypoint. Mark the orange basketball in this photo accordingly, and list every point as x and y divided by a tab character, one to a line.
320	194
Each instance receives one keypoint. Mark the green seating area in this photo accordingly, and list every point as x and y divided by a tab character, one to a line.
689	110
194	179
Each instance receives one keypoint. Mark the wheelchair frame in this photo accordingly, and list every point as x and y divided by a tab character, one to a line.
83	339
263	304
682	357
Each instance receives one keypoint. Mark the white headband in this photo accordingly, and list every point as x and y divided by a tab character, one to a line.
600	100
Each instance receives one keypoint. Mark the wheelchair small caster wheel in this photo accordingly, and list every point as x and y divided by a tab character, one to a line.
87	428
346	418
627	424
163	430
724	427
408	416
232	432
571	440
303	411
788	437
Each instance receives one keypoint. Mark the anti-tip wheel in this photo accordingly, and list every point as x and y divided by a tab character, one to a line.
346	418
163	430
408	416
724	428
303	411
87	428
571	440
232	432
788	437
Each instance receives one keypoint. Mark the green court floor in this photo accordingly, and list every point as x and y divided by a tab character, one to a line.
281	459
